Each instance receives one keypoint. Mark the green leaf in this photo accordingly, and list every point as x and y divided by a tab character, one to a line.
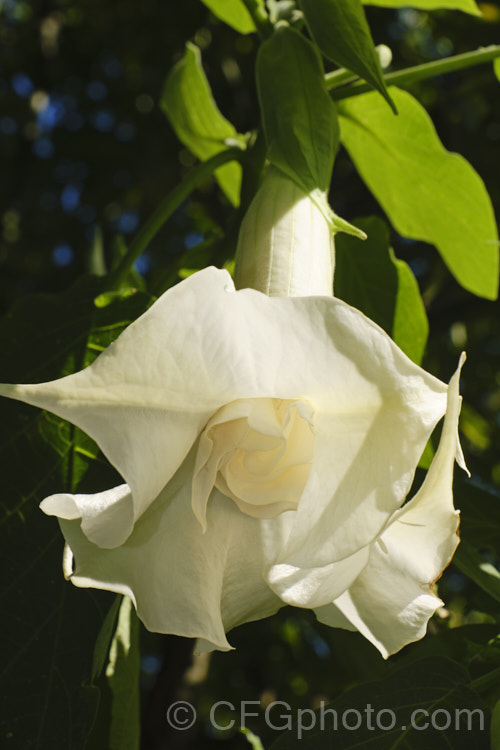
475	566
122	673
48	627
411	327
299	118
118	722
341	31
427	192
370	277
435	688
468	6
191	109
232	12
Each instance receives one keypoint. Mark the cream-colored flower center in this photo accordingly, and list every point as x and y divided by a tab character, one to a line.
258	452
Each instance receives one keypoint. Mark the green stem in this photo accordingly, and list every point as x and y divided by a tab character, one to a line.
338	77
421	72
260	17
491	679
167	207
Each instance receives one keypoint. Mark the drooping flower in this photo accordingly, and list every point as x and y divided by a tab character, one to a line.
267	444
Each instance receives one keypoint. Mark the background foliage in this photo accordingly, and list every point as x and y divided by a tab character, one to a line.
87	155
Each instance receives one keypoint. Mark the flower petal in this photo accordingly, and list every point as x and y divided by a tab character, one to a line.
314	587
133	399
391	601
374	409
182	581
147	397
363	466
257	452
107	518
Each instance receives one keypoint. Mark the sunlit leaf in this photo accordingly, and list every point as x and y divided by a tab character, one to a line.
232	12
427	192
342	33
191	109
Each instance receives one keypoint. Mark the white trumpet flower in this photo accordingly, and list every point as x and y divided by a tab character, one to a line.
267	446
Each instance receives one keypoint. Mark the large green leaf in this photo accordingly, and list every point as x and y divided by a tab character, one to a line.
48	627
191	109
300	120
427	192
341	31
370	277
436	688
232	12
468	6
